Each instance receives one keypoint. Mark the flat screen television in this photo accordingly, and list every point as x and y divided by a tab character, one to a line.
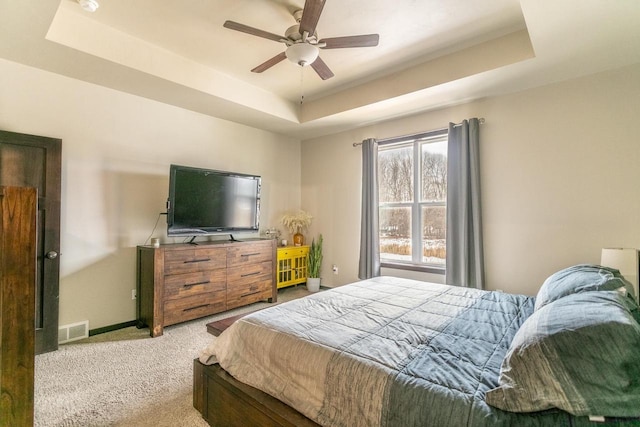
206	202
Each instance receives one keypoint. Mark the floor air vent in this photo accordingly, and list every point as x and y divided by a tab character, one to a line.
73	332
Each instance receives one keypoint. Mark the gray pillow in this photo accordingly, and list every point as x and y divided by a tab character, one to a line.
580	353
580	278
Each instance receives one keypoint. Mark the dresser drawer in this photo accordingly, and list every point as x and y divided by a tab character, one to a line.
246	274
193	307
256	252
249	293
293	252
187	284
196	259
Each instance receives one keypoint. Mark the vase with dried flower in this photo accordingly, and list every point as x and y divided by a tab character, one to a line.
296	223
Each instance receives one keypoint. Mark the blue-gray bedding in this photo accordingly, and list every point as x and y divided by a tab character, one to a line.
577	279
386	352
579	353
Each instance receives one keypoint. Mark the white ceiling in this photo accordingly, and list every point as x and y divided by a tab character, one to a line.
432	53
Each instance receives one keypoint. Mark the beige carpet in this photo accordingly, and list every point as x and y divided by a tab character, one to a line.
126	378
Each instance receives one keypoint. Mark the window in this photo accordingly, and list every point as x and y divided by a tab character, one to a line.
413	201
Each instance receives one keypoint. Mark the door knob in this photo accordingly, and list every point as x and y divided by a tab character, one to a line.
52	255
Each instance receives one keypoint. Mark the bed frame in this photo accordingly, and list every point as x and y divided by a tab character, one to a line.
224	401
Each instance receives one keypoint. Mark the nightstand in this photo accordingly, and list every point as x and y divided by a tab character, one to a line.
292	265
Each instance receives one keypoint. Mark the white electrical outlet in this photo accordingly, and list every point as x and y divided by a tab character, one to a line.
133	294
335	269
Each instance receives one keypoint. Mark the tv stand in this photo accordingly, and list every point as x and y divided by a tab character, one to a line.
193	238
181	282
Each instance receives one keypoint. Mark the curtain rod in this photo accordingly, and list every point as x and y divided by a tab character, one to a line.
418	135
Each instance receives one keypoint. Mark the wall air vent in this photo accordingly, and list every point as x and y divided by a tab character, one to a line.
73	332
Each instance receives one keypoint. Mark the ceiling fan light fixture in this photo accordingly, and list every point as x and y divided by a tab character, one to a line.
89	5
302	54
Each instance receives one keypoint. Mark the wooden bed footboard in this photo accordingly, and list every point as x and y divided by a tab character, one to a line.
224	401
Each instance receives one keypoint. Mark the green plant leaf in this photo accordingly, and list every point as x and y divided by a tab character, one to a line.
314	258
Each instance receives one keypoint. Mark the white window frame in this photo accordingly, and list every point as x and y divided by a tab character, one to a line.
416	204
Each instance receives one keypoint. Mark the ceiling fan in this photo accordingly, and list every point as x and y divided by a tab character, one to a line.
302	41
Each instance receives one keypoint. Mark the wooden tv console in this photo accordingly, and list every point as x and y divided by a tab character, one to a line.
181	282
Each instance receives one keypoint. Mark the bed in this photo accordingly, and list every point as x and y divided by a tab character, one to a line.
397	352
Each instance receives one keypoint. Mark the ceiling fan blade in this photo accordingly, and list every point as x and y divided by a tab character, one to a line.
269	63
366	40
322	69
253	31
311	15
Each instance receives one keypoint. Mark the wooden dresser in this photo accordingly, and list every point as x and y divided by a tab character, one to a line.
182	282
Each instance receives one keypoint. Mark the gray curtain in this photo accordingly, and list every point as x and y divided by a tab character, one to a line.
465	259
369	240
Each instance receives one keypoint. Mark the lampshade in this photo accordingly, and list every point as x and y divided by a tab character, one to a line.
302	53
624	260
89	5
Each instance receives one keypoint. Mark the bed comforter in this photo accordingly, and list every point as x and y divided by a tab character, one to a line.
383	352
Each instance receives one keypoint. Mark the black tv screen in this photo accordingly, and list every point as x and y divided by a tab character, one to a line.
207	201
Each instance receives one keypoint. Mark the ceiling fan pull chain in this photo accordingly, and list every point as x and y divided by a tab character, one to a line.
301	85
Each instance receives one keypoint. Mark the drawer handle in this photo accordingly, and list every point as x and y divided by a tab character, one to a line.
248	255
250	293
196	307
189	285
250	274
191	261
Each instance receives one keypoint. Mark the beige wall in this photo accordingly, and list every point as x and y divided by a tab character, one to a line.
560	172
559	177
116	152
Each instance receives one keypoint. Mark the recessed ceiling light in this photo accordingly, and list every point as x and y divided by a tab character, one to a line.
89	5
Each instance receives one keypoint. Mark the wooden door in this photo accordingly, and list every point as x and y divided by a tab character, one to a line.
35	161
17	304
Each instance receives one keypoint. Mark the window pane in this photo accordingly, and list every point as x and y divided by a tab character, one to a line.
434	234
395	174
434	171
395	233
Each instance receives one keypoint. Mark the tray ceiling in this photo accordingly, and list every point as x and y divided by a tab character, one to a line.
431	53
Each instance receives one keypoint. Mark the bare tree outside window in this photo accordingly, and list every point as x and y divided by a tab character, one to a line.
395	175
413	201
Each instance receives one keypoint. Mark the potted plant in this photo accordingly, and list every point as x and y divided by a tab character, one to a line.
296	224
314	264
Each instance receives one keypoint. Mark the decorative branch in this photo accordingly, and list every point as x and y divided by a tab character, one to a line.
298	222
